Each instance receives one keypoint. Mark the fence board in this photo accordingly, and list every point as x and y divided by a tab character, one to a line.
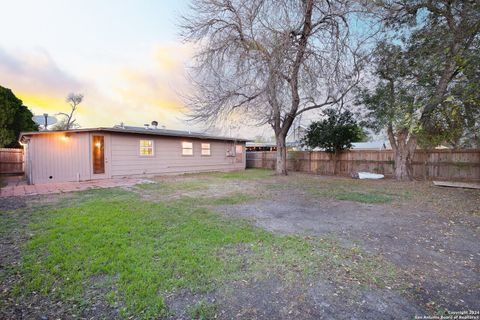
11	161
461	165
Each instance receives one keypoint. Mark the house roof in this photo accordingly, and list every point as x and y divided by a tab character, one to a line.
371	145
261	144
140	130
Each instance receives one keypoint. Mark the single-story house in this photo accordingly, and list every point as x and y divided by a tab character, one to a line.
102	153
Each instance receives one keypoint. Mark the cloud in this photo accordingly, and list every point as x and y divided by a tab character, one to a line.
172	57
133	93
36	79
156	86
35	71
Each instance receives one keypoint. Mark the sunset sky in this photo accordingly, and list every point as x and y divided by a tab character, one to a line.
124	56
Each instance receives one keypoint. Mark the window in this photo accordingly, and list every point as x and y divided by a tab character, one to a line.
187	149
206	149
146	148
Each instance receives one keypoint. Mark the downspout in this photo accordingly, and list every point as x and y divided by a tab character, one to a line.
30	164
27	163
90	156
235	152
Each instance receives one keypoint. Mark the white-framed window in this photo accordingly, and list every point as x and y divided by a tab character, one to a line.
206	149
146	148
187	149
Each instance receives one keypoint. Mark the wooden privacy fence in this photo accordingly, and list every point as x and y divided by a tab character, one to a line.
463	165
11	161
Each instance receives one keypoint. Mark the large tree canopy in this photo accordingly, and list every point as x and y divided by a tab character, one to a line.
426	75
14	118
271	60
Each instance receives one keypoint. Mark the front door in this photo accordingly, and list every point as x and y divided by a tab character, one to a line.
98	155
99	159
239	153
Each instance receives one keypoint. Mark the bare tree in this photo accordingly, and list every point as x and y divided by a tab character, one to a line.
270	60
69	122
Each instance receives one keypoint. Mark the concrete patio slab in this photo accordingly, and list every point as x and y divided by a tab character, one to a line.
47	188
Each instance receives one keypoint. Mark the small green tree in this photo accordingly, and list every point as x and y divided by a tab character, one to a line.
14	118
335	133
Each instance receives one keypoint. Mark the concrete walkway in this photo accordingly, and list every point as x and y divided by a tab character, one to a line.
28	190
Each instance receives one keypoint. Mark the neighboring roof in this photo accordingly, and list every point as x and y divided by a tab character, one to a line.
141	130
261	144
371	145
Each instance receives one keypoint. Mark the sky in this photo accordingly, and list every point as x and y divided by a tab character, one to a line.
126	57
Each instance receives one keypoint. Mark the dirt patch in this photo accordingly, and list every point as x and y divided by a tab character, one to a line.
179	302
439	257
273	298
170	188
12	203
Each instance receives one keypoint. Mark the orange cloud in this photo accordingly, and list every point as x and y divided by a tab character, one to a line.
134	94
156	86
42	103
172	58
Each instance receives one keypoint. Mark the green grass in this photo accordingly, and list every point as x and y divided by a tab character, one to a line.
232	199
147	247
249	174
168	187
202	310
364	197
112	238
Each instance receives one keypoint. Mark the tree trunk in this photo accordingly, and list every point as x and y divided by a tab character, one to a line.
403	146
401	165
281	166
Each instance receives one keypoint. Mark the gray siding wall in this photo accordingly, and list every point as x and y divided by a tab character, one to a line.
51	158
168	158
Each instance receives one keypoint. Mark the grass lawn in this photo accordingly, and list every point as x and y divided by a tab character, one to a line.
137	251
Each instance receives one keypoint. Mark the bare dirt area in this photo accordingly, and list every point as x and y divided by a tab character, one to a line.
431	235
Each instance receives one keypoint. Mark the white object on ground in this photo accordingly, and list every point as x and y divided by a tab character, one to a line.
145	181
368	175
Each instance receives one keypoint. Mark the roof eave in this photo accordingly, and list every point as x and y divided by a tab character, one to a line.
129	131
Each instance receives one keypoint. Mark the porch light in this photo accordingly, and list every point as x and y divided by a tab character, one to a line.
65	137
98	144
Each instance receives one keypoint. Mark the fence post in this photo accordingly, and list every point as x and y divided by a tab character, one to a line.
310	161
